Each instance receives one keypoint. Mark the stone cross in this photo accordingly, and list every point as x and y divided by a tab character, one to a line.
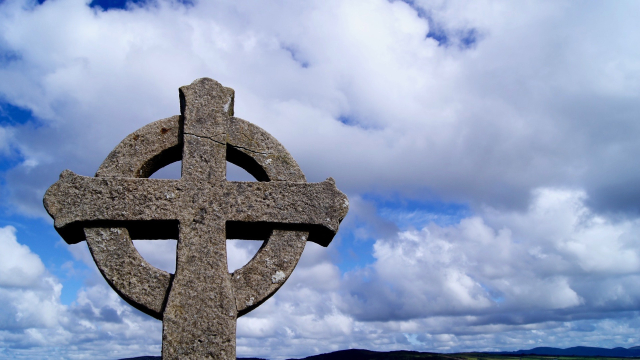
200	303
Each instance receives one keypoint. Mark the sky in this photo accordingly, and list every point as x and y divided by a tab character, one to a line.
488	149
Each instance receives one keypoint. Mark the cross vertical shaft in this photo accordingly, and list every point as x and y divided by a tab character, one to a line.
200	316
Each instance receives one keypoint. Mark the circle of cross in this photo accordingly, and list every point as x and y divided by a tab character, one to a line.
200	303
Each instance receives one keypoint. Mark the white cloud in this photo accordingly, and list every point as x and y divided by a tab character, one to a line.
535	261
159	253
34	324
30	296
499	280
19	267
503	280
524	107
239	252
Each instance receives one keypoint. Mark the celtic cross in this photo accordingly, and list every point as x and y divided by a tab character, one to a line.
200	303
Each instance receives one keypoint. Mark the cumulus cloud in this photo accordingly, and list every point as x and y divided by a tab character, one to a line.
553	261
498	280
28	293
484	123
34	324
503	279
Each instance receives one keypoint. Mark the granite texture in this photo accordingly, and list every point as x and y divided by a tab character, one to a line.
198	305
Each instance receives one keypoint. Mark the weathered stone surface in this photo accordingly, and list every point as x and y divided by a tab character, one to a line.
133	278
146	150
199	305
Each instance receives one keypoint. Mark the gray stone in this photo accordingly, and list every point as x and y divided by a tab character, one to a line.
198	305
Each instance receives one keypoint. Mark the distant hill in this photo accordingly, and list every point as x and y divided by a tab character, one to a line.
577	351
354	354
583	351
357	354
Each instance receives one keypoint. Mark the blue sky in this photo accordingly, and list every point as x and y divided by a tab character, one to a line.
487	149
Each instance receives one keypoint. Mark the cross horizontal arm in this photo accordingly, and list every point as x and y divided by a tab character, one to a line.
318	205
75	200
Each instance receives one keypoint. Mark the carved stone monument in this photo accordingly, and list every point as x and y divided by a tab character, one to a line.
200	304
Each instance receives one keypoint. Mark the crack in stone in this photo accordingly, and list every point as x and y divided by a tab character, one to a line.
225	143
206	137
253	151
